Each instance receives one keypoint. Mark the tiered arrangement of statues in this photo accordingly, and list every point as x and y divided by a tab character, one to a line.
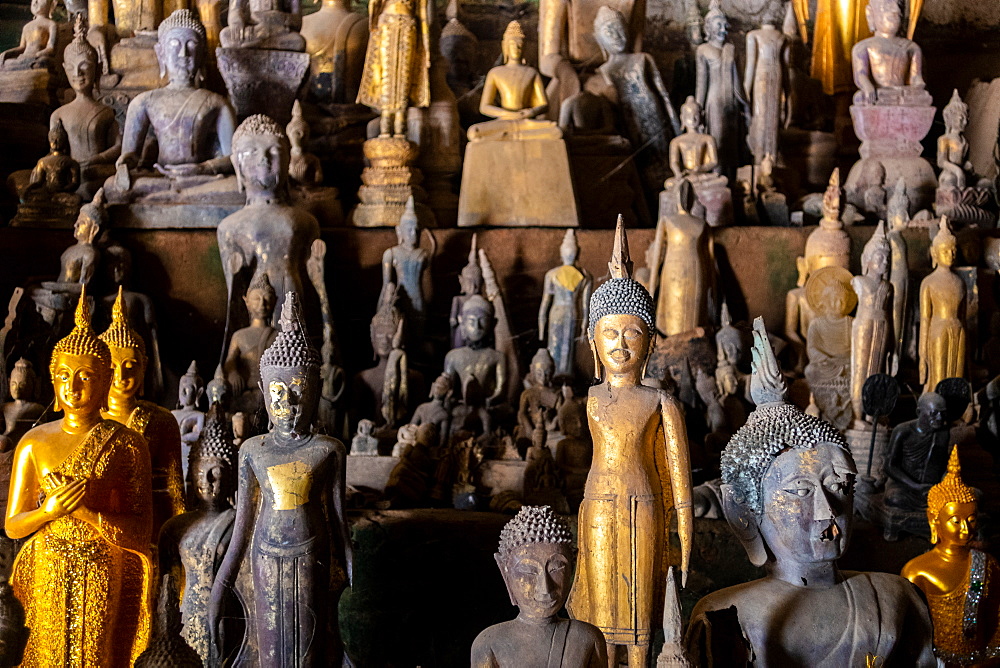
266	126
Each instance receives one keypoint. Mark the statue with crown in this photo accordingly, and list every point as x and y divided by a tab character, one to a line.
892	111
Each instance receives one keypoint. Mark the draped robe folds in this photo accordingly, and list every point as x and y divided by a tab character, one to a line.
397	64
977	595
86	590
163	438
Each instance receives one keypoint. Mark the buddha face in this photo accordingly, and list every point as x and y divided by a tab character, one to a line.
834	300
80	382
956	523
944	253
931	412
512	50
878	264
622	343
476	324
542	373
180	52
119	267
188	391
717	29
218	392
568	253
537	577
41	7
85	228
81	73
884	17
21	385
694	34
808	504
690	117
208	474
297	133
382	339
128	367
611	35
441	387
407	235
261	162
289	395
260	304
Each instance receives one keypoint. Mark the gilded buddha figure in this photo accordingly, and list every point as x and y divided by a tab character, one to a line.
640	476
957	578
828	343
694	153
38	40
941	347
84	574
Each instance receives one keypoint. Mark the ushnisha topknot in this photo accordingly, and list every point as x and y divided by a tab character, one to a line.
82	340
192	372
262	282
291	349
181	18
533	524
214	440
951	489
258	125
878	244
79	49
620	293
409	218
772	428
478	304
513	31
120	334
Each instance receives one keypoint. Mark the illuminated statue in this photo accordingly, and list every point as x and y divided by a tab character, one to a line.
941	351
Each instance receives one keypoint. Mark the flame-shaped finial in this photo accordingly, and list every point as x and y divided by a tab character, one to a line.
767	384
620	265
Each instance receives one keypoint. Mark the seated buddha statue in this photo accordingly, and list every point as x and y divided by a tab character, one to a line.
38	40
478	370
50	198
80	488
788	495
828	343
957	578
193	126
264	24
521	95
888	68
694	156
242	364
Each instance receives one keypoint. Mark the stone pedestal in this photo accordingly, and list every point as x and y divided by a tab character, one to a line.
515	183
370	471
712	192
389	180
263	81
891	135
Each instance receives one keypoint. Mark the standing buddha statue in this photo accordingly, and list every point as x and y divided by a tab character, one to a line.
155	424
766	83
562	316
871	333
407	265
190	419
828	343
941	351
84	574
899	271
640	475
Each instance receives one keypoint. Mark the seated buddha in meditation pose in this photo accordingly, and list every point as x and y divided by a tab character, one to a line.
888	68
264	24
38	40
521	95
693	154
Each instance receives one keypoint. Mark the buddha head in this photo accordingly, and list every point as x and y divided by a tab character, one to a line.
13	633
692	25
190	388
180	47
512	43
297	129
536	559
622	317
408	230
212	462
365	427
932	412
58	140
476	321
898	207
260	298
542	368
729	340
91	217
289	374
788	477
876	255
884	17
387	325
42	8
81	366
117	261
943	246
459	47
80	60
829	292
128	354
956	113
691	115
952	508
22	381
569	250
261	154
442	386
716	23
218	390
610	31
471	279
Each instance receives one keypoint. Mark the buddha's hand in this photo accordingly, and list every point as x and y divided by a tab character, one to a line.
868	91
127	160
174	171
65	498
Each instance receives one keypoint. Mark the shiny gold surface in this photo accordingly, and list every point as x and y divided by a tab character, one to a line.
290	483
941	348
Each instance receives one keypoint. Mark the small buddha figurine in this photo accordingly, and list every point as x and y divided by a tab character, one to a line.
628	501
295	540
167	646
828	343
536	560
540	402
956	577
872	336
13	633
952	147
941	351
888	68
917	455
693	154
21	413
304	168
829	245
336	41
641	95
153	423
94	138
193	126
192	544
437	411
242	365
470	282
79	262
81	490
406	438
679	278
364	442
562	316
408	266
269	234
219	391
38	40
397	62
798	315
788	495
766	83
56	176
264	24
521	96
899	272
478	369
190	420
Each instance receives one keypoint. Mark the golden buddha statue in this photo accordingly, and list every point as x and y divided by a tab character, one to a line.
84	574
521	97
693	154
955	577
155	424
828	343
640	475
941	347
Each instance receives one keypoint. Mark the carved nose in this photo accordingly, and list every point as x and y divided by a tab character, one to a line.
822	508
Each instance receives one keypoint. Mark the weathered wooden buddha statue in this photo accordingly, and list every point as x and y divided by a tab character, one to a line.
562	316
888	68
872	338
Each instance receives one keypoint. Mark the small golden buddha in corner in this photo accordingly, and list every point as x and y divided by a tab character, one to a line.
955	577
521	96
